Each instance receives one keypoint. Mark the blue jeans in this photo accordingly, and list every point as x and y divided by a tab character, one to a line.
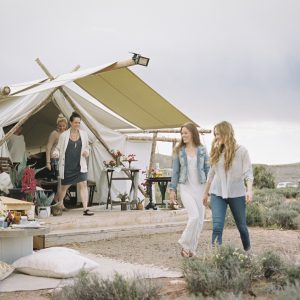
238	209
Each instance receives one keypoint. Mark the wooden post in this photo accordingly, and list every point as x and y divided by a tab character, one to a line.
170	130
149	139
152	155
5	91
119	65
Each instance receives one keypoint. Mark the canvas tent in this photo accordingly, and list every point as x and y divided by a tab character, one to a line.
38	103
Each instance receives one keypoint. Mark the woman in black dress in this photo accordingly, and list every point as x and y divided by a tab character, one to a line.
73	149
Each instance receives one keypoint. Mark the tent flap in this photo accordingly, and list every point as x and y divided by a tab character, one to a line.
128	96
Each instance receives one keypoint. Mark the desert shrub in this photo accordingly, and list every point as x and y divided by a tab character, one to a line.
289	192
227	270
91	287
283	217
255	213
218	296
290	292
263	178
293	274
272	264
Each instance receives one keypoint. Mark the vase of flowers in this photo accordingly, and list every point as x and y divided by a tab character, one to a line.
129	158
117	156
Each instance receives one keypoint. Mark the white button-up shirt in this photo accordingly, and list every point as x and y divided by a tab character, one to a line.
230	184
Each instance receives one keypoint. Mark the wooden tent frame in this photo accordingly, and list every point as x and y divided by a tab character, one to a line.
121	64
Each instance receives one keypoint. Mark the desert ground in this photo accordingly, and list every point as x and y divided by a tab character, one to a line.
163	250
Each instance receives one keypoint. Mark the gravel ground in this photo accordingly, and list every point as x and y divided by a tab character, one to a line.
163	250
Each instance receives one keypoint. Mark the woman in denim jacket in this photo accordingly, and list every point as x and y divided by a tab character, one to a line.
230	168
190	169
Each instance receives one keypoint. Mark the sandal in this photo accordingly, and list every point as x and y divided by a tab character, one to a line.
185	253
87	213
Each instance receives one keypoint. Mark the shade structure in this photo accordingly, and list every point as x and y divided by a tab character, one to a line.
131	98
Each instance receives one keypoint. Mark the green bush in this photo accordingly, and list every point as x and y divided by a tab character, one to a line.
272	265
218	296
293	274
91	287
263	178
283	217
290	292
227	270
255	213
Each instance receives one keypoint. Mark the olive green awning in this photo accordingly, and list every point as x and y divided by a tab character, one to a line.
128	96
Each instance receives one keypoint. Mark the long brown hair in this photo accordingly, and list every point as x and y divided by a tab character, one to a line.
191	127
228	145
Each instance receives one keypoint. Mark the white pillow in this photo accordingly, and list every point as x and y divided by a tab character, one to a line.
56	264
58	249
5	270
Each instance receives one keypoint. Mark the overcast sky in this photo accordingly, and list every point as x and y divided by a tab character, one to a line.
215	60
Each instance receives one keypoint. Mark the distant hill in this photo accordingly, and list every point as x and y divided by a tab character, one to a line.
288	172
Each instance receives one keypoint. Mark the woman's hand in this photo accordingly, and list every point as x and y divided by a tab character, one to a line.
85	154
48	165
172	196
205	199
249	196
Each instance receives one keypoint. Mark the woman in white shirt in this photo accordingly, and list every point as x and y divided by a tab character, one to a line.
230	168
73	149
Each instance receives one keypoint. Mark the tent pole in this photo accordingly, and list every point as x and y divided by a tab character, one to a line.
152	155
171	130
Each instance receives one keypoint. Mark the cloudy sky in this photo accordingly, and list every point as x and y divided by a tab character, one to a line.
215	60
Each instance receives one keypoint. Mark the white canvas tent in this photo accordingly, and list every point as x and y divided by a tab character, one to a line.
36	104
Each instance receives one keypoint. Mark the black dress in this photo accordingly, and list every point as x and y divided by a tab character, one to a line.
72	164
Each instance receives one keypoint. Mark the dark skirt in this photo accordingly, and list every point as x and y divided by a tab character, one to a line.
72	164
74	178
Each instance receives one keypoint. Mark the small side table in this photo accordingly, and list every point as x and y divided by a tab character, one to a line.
16	243
162	184
110	178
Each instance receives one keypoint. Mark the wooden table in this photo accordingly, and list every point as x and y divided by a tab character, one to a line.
15	204
162	184
109	175
18	242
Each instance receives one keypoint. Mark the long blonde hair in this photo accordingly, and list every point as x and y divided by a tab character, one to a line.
191	127
228	145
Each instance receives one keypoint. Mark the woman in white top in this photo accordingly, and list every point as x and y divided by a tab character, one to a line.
230	167
73	149
16	146
190	168
51	162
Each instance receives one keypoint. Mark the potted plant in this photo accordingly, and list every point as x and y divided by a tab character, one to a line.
140	204
43	202
23	180
16	174
124	197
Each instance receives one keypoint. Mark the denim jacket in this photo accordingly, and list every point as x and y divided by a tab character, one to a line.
179	174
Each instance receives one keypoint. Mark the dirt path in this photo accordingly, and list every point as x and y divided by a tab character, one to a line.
163	250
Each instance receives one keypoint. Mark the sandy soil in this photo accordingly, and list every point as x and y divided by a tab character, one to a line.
163	250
